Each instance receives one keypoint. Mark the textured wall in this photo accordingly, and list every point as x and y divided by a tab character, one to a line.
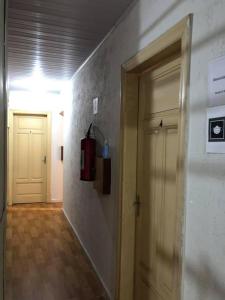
94	217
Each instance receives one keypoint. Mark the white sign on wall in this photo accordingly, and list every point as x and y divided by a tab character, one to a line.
95	106
215	133
217	82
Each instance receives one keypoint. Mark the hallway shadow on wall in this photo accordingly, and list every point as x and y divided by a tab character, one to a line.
208	283
207	168
195	46
169	10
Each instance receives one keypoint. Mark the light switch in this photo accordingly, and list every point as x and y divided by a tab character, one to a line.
95	106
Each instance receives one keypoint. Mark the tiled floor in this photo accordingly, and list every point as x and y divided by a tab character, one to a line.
44	260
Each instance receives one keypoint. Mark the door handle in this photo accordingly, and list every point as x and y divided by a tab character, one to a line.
45	159
137	204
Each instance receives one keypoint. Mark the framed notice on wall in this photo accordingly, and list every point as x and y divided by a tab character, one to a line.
215	132
216	79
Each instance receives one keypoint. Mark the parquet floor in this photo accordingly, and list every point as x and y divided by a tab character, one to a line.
44	260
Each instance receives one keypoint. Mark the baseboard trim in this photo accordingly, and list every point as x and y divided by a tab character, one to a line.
88	255
55	200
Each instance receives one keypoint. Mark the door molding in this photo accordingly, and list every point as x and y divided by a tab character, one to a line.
11	114
178	38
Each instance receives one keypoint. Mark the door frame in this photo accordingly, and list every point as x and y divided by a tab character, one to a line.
11	114
177	36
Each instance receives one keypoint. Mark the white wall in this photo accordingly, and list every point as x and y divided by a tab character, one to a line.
57	164
95	217
46	102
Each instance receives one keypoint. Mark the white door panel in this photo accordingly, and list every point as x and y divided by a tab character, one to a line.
29	182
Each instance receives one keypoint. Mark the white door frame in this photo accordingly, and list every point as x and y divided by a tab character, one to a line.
10	146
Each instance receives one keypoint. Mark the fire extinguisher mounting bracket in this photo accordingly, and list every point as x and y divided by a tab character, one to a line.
88	157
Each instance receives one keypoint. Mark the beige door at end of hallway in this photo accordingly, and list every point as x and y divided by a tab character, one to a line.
29	159
158	223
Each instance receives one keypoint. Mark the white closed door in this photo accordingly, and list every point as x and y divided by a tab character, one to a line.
30	159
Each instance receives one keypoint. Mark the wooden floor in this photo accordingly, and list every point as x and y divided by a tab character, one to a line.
44	260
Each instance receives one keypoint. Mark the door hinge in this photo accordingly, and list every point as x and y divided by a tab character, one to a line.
137	205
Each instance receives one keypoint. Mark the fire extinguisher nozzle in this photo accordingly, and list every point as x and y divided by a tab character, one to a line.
89	131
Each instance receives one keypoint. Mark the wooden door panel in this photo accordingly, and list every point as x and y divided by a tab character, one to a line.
21	167
30	188
161	88
148	219
147	292
156	269
31	198
37	153
156	259
31	122
167	237
29	152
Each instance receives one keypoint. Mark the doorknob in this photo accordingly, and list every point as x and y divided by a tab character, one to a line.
45	159
137	204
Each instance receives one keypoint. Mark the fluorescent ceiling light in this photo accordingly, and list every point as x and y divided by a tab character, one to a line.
38	83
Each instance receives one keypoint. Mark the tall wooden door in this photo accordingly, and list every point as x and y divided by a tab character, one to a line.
157	234
30	157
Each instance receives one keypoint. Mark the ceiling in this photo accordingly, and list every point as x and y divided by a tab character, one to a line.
56	35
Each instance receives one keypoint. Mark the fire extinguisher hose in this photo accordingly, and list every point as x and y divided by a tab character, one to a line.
89	131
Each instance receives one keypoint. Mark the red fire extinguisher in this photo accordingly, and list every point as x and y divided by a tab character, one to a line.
88	154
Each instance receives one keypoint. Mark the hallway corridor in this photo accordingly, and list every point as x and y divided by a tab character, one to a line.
44	260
